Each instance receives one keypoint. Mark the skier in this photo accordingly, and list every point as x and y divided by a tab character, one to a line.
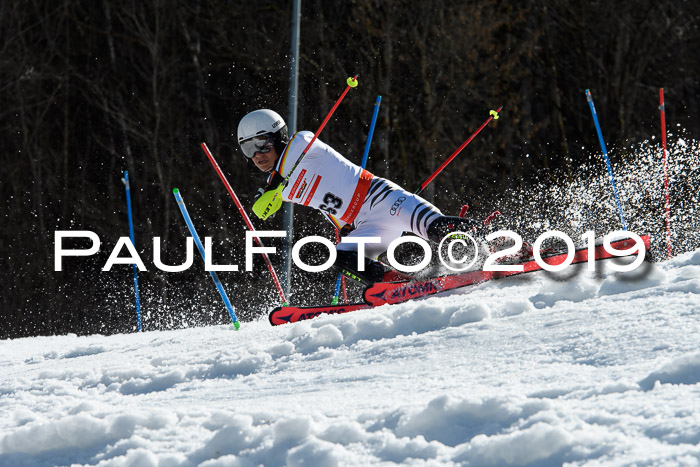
352	198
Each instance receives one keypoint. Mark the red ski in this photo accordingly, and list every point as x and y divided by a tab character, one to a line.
383	293
291	314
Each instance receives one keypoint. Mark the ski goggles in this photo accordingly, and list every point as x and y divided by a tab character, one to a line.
262	143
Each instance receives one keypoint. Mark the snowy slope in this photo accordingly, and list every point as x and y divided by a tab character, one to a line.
593	369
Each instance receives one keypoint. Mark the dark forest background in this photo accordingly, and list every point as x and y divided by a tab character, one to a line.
90	89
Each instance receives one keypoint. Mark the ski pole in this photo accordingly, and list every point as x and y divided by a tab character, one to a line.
246	219
271	200
125	181
365	155
493	116
667	208
200	247
605	154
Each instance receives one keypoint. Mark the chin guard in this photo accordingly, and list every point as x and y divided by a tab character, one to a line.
268	203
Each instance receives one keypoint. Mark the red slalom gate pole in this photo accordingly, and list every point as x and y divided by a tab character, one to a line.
246	219
494	115
667	204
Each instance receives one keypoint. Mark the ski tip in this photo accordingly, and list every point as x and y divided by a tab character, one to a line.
237	325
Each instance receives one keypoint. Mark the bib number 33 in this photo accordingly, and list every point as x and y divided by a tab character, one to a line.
331	204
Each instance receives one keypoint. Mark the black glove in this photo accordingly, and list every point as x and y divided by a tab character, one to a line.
275	181
260	192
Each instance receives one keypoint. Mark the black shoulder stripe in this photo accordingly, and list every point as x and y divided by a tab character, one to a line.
373	201
417	214
384	192
428	220
374	186
425	210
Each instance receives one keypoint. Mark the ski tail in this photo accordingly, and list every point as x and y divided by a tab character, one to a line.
292	314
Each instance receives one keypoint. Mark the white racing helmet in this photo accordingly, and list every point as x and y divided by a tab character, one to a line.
257	125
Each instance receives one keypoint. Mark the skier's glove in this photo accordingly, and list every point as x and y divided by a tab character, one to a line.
257	195
275	180
270	200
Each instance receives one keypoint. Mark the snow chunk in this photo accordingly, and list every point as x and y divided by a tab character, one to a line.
315	452
81	431
344	433
539	443
141	457
692	286
237	436
399	449
470	314
695	259
515	307
683	370
575	291
688	273
225	461
75	431
85	351
426	316
629	282
453	422
246	365
369	327
289	433
154	383
686	259
284	349
328	336
291	430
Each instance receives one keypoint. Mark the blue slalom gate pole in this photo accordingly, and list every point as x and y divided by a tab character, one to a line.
605	154
365	155
125	181
200	247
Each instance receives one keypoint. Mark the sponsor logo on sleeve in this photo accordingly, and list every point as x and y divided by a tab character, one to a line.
396	207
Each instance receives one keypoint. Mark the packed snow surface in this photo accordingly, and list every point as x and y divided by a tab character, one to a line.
580	369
